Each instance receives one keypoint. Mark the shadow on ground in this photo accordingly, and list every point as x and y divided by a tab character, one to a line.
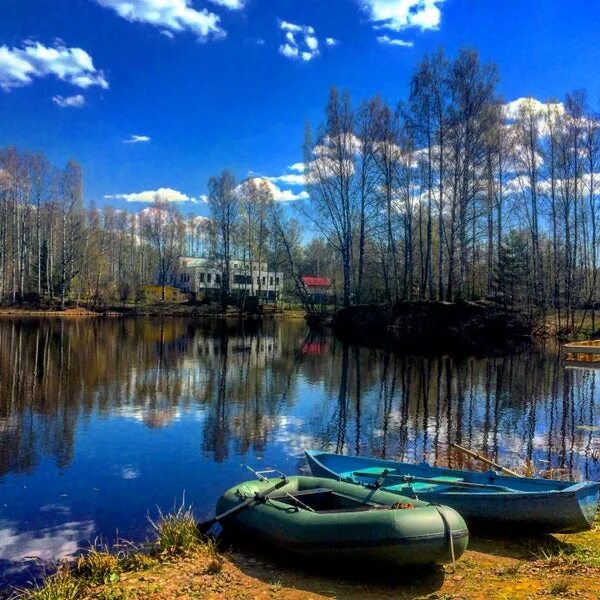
336	581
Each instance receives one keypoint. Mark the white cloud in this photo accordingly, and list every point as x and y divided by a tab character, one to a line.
160	195
137	139
398	15
298	167
512	109
20	66
289	179
386	39
171	16
278	194
331	41
230	4
301	42
69	101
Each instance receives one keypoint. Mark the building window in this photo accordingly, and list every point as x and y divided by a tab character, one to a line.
201	277
242	279
277	281
217	278
208	277
264	280
270	281
257	280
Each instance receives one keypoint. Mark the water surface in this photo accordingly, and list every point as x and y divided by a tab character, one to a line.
103	421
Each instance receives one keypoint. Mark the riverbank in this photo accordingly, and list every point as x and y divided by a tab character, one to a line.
181	565
424	327
147	310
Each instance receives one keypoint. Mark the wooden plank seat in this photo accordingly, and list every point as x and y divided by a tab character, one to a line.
417	486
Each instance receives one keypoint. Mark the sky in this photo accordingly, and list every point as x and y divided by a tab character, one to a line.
155	96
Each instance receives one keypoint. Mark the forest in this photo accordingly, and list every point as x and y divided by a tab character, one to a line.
451	194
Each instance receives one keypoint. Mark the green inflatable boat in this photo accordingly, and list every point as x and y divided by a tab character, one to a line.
321	518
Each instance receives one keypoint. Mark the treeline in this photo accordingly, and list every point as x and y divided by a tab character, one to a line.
455	195
54	249
450	195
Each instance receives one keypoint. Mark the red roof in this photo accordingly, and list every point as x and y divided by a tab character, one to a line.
316	281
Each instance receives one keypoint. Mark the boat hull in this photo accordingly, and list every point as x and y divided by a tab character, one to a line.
532	505
403	537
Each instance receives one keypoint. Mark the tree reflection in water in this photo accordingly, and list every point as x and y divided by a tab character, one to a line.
101	420
244	379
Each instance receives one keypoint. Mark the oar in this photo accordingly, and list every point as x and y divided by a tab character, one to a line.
206	526
485	460
261	477
412	479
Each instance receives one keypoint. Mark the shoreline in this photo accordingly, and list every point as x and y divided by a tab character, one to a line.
492	568
146	311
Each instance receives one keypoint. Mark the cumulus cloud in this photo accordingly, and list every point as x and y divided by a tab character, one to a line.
331	41
69	101
298	167
20	66
386	39
512	109
278	194
137	139
300	41
171	16
231	4
398	15
160	195
289	179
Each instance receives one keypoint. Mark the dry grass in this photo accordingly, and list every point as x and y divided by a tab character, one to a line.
60	586
177	532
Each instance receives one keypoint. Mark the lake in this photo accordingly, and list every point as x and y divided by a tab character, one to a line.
102	422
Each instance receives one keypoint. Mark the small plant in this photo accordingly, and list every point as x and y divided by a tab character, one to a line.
60	586
138	561
510	570
559	587
99	565
177	532
552	552
215	560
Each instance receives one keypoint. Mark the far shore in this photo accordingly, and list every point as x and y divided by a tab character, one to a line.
145	310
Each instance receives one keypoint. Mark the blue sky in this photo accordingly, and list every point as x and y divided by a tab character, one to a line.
222	84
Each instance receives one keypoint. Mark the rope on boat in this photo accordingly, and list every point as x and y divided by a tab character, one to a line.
449	529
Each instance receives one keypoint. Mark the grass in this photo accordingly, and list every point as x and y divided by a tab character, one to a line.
559	587
100	567
176	532
181	563
99	564
60	586
215	560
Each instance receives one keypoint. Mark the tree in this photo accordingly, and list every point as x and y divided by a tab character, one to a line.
163	229
330	168
512	271
224	205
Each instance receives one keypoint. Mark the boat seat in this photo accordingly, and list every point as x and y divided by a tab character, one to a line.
417	486
421	487
312	491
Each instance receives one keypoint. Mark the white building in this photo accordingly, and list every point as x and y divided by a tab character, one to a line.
204	276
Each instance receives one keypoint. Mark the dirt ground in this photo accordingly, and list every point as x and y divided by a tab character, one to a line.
545	567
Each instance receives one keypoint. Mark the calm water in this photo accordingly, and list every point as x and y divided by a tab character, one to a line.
103	421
